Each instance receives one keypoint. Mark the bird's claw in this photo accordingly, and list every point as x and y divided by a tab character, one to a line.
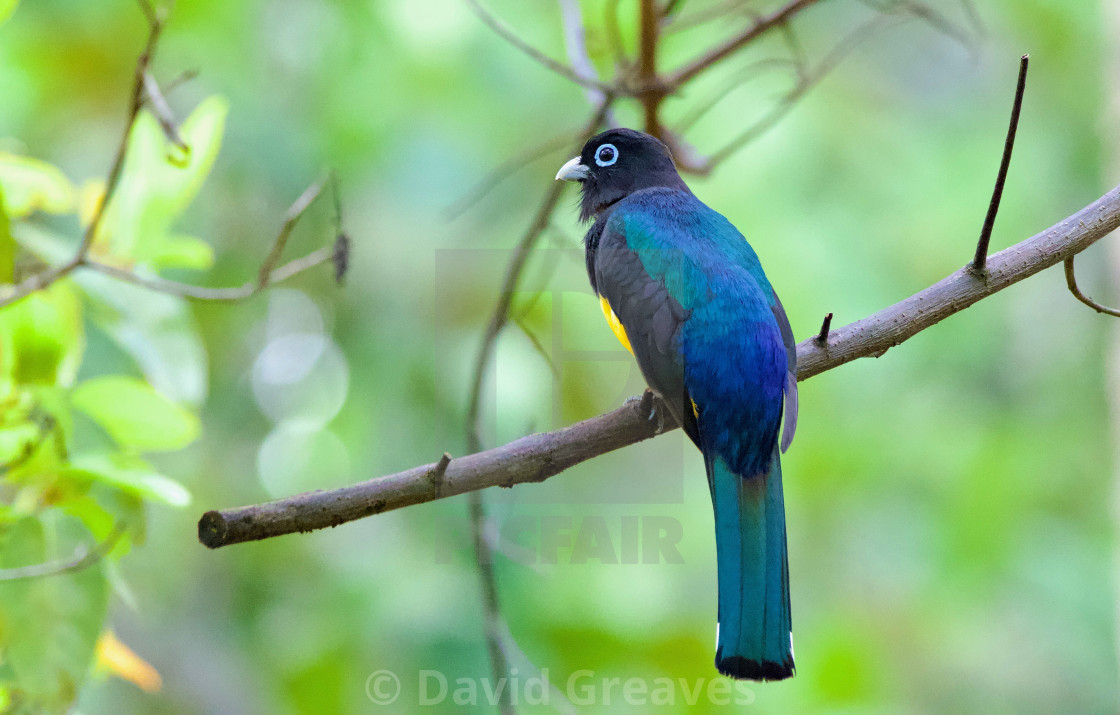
650	406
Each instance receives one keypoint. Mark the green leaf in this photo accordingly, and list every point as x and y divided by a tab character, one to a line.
156	329
160	181
134	414
7	244
31	185
131	474
7	7
43	332
49	625
181	252
16	440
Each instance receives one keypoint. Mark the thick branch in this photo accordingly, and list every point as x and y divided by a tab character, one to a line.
540	456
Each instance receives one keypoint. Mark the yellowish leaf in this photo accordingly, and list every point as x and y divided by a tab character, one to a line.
33	185
116	658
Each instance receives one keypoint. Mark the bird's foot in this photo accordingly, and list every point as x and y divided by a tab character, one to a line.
653	408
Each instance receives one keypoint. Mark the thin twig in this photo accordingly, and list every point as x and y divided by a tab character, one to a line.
942	24
46	277
509	35
183	78
752	71
1071	283
500	315
779	17
235	293
295	211
575	43
540	456
809	80
162	111
219	295
722	11
505	170
83	558
492	614
136	101
670	7
978	262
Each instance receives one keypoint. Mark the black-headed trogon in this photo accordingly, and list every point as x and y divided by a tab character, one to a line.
685	293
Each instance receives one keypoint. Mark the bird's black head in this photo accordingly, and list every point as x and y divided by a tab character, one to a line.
617	163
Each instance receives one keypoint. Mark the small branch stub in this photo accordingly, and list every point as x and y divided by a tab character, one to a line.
822	336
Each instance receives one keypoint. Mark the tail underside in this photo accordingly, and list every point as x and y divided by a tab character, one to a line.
754	632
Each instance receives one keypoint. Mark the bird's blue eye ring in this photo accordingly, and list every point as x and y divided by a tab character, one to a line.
606	155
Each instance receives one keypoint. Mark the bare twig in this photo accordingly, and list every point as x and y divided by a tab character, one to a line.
822	336
1071	283
505	170
180	80
752	71
233	294
493	622
247	290
576	46
764	24
978	261
48	276
295	211
670	7
540	456
509	35
162	111
722	11
807	81
83	558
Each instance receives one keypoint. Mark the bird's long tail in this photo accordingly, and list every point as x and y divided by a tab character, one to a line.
754	636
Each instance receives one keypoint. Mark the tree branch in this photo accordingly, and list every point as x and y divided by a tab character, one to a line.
267	275
46	277
779	17
537	457
144	87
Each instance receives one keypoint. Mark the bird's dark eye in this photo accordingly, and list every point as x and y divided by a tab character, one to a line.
606	155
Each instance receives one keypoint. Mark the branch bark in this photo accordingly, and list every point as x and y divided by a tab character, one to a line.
540	456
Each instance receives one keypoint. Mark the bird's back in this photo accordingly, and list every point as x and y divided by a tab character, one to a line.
730	346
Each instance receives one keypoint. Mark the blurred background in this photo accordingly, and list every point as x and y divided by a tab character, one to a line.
950	504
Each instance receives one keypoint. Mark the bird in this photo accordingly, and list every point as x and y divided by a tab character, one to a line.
686	294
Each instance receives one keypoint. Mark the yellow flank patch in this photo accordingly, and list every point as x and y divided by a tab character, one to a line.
616	324
695	409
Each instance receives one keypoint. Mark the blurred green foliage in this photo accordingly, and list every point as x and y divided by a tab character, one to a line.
951	535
